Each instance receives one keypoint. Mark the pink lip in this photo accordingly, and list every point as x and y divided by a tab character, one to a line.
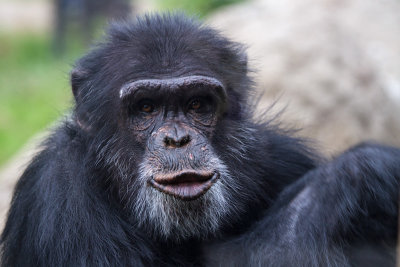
187	185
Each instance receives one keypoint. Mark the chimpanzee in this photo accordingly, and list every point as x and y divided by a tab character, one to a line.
162	163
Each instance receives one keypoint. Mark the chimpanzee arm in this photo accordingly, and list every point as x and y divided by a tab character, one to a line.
343	213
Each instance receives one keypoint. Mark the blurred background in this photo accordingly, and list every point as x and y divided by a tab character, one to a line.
330	68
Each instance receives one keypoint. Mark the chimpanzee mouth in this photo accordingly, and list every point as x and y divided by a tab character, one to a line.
186	185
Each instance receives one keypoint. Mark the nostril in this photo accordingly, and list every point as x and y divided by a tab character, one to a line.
169	141
184	140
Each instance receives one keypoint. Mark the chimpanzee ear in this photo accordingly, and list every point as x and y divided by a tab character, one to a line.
78	76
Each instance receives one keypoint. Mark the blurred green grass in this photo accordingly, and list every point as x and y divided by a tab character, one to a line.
34	88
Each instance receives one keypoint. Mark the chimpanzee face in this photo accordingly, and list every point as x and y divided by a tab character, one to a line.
181	179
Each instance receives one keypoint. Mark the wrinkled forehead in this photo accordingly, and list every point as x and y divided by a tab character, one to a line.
171	84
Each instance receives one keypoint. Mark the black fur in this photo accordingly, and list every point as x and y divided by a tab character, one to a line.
75	203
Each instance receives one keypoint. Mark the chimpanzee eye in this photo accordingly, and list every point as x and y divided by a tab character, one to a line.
146	106
195	104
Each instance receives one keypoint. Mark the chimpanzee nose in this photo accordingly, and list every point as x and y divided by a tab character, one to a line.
172	142
175	135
